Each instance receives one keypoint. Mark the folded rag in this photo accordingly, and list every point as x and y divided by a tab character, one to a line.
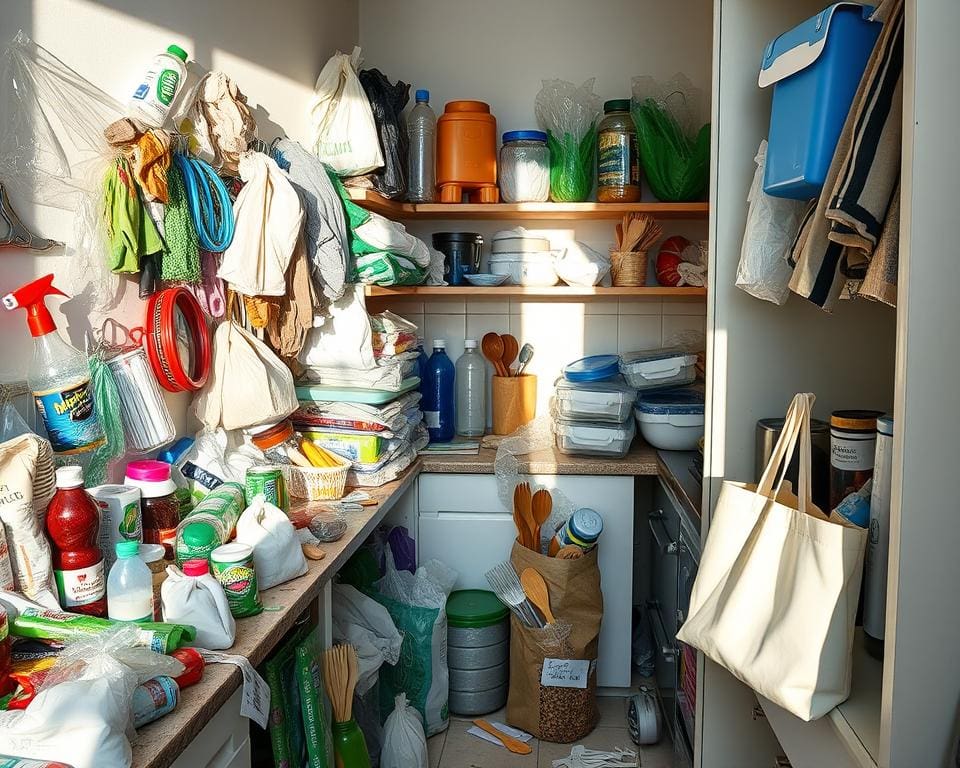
130	231
151	160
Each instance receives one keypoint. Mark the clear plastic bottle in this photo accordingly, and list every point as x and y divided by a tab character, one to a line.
421	159
471	395
438	402
129	585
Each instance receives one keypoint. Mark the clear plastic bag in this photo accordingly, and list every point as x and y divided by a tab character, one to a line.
568	113
772	225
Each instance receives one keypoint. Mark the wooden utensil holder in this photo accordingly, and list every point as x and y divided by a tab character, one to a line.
514	402
628	268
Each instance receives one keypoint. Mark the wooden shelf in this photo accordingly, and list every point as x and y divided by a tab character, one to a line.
555	292
513	211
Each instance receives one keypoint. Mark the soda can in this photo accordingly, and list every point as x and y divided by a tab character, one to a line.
232	565
268	481
120	518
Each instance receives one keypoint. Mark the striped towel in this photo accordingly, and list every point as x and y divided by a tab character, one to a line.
843	236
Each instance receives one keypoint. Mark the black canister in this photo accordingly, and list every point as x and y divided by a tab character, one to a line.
768	431
462	252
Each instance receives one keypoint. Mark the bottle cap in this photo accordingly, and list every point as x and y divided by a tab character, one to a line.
195	568
198	534
177	51
586	524
70	477
148	470
127	549
469	343
423	94
616	105
439	344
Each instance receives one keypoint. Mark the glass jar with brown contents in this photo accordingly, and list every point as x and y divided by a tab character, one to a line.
618	162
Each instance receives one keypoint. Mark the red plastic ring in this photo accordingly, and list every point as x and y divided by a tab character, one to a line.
161	340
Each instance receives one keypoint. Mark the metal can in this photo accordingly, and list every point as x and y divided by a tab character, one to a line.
582	530
195	541
853	442
153	699
232	565
269	482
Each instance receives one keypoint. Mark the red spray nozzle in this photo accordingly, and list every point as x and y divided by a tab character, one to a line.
31	298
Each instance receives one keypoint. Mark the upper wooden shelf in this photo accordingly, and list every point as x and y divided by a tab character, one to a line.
508	211
556	292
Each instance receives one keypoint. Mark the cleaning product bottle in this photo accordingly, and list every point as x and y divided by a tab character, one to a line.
471	391
73	524
422	130
59	375
129	586
438	395
154	95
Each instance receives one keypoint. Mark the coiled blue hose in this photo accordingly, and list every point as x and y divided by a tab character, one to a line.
213	221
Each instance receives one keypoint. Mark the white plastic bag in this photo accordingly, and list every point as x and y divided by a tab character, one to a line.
344	132
772	224
367	626
201	602
346	338
404	743
277	554
579	264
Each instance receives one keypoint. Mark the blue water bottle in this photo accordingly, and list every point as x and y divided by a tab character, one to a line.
438	405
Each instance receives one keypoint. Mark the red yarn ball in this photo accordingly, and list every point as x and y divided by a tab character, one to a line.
667	273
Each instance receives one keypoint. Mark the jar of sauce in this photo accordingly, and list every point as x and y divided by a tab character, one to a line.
160	507
618	162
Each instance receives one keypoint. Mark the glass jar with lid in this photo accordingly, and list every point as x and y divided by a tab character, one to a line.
280	443
618	162
524	167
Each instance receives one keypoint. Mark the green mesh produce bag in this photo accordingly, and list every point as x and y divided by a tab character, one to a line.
675	156
568	113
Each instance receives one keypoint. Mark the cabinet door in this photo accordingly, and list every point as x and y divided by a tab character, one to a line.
224	742
469	542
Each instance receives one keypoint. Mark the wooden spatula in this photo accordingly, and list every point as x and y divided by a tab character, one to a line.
514	745
535	588
518	519
569	552
542	506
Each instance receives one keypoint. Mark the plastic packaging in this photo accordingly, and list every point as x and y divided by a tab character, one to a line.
387	102
471	381
579	264
421	159
153	699
287	733
524	168
878	543
618	163
195	541
569	115
672	420
438	395
604	401
404	743
193	596
159	506
277	554
129	586
365	624
6	684
73	523
772	224
314	712
658	368
106	402
154	95
595	439
221	508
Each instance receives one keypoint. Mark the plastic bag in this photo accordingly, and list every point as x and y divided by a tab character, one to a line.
387	102
417	603
404	743
568	113
346	338
366	625
277	554
675	154
344	134
579	264
772	224
106	400
313	709
200	602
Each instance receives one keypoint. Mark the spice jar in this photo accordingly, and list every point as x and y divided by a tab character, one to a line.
618	162
279	442
159	505
153	556
524	168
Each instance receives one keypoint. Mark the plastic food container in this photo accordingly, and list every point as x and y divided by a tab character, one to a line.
593	368
815	69
524	168
578	438
604	401
518	240
467	153
535	269
478	651
658	368
673	420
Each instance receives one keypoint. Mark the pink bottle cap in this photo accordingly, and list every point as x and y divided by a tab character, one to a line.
148	470
195	568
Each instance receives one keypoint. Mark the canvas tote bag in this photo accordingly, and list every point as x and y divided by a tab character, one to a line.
775	598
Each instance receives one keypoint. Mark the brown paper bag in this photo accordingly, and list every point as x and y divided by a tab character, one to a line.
554	713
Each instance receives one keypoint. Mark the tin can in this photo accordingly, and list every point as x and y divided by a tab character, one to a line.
120	517
232	565
195	541
853	444
153	699
269	482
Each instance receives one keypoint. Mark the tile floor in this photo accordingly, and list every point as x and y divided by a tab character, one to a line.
455	748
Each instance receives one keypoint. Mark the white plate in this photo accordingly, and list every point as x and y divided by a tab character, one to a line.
484	279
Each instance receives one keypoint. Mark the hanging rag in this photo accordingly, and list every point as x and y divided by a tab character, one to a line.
130	231
268	221
181	258
326	224
209	292
220	122
296	310
838	238
880	282
150	161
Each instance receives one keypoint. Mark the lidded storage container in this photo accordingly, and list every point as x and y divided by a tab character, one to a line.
618	161
526	258
467	153
478	652
524	168
601	401
658	368
672	420
594	438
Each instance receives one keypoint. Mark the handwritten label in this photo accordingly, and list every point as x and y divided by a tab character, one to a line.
565	673
255	702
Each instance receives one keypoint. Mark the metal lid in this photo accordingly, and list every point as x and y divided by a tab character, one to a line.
616	105
593	368
474	609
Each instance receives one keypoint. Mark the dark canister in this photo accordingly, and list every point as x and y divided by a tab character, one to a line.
462	252
768	432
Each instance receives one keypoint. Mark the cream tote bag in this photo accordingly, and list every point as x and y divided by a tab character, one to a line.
775	598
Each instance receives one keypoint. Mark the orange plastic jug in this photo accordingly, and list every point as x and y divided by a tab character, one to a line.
467	153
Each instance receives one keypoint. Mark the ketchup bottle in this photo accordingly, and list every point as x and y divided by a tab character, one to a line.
73	524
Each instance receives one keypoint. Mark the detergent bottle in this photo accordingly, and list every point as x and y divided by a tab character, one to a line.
58	376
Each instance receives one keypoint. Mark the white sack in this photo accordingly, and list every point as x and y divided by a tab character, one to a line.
277	554
201	602
579	264
367	625
346	339
404	742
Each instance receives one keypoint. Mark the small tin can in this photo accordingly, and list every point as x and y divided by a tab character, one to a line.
195	541
582	530
268	481
153	699
232	565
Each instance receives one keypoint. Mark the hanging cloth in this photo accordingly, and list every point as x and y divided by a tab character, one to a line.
181	259
220	122
268	221
151	159
131	233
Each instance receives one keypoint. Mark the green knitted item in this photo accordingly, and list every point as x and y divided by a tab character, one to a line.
181	259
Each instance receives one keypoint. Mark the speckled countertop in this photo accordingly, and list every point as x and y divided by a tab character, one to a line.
641	460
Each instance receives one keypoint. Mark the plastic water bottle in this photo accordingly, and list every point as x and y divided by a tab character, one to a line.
438	395
471	380
129	585
423	363
421	130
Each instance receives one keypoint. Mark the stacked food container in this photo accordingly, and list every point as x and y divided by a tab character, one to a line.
525	258
478	652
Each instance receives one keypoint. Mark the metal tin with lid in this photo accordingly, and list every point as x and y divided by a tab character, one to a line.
475	617
478	651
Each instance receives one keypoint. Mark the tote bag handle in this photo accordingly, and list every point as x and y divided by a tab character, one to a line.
796	425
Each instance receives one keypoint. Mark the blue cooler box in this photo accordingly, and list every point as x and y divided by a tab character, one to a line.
815	69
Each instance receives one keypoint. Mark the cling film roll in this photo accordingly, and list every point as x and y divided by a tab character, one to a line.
221	508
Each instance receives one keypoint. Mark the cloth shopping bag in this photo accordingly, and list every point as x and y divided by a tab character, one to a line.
775	598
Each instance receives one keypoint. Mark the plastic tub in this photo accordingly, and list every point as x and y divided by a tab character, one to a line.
593	368
603	401
584	439
462	254
658	368
815	69
673	420
518	240
535	269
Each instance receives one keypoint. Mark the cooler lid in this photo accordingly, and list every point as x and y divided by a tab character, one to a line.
672	402
593	368
801	46
474	609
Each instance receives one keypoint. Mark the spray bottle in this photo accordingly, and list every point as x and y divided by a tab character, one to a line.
59	375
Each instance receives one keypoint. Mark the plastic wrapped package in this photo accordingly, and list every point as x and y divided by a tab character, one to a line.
404	743
579	264
772	224
569	115
387	102
384	474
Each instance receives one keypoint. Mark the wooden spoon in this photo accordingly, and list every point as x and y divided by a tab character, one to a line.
514	745
518	519
535	588
510	349
492	346
569	552
542	506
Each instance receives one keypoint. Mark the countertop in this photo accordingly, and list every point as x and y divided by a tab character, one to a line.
641	460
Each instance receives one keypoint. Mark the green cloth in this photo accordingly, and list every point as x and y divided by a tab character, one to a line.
131	232
181	259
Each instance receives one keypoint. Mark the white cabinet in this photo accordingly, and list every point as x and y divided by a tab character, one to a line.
224	742
462	522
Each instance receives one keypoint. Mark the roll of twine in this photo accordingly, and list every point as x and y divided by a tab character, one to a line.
208	202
